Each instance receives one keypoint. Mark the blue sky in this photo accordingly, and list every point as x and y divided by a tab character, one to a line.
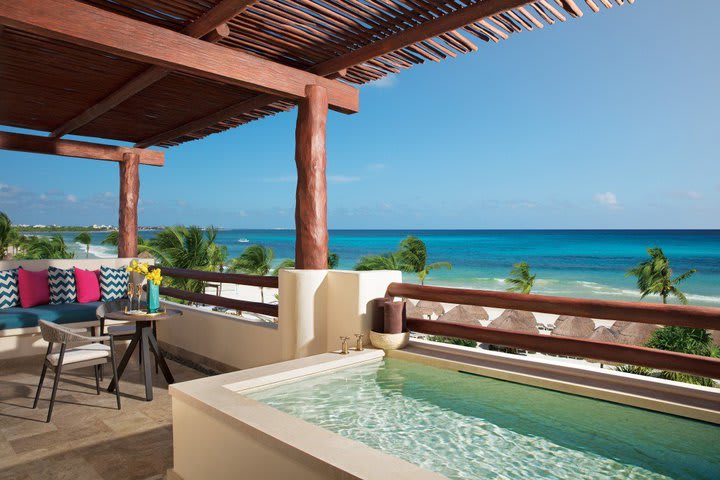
608	121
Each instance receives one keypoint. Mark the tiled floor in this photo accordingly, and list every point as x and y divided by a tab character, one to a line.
88	437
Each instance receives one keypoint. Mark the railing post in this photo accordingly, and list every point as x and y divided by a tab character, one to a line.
127	211
311	243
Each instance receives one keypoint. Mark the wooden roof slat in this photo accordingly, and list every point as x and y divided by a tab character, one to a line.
206	24
70	20
357	41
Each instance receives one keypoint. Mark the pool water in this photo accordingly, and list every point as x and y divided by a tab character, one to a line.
470	427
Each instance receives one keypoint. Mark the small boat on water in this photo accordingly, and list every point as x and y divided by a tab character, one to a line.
243	240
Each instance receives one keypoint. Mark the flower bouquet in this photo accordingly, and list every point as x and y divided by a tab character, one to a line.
139	272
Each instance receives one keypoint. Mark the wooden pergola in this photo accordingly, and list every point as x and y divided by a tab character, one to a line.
164	72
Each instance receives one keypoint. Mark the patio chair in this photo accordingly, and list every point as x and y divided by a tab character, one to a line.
92	354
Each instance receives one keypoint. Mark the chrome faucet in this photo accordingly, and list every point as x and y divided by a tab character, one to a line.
344	349
359	344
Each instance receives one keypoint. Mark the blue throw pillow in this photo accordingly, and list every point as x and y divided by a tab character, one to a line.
9	293
113	283
62	285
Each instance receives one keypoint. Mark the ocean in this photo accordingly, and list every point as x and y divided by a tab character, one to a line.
575	263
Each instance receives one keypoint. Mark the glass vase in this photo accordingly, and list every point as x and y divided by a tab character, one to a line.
153	297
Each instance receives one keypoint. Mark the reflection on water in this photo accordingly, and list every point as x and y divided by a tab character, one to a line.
469	427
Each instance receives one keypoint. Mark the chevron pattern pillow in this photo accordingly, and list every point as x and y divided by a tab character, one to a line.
9	293
113	283
62	285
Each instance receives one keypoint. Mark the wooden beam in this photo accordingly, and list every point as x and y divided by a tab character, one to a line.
211	27
20	142
241	305
654	313
139	83
311	242
338	66
92	27
612	352
127	211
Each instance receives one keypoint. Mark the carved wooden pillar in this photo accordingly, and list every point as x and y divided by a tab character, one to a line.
127	214
311	241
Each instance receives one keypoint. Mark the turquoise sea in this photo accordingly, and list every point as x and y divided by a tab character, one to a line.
577	263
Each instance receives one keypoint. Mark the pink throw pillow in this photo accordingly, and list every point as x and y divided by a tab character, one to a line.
87	285
34	288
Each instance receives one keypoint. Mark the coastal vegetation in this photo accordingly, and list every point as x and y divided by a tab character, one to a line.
655	277
255	260
182	247
85	239
521	280
411	257
112	239
37	248
333	262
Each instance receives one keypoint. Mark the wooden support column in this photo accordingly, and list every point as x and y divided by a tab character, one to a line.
311	241
127	214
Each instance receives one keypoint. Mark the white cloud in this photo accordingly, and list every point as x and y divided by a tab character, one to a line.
285	179
342	179
388	81
376	167
607	199
71	198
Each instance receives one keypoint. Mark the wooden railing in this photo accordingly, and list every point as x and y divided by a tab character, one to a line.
216	300
677	315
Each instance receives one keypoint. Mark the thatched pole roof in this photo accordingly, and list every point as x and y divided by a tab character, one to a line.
517	321
467	314
577	327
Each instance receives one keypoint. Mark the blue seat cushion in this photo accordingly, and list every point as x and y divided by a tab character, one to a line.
18	317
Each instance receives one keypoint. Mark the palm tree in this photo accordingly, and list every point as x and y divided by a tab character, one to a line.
520	279
112	239
37	248
413	257
285	264
387	261
85	239
218	256
7	234
654	277
255	260
183	247
694	341
333	261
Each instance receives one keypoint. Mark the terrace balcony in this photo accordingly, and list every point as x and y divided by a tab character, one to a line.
164	73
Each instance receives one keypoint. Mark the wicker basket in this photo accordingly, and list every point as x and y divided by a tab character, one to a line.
389	341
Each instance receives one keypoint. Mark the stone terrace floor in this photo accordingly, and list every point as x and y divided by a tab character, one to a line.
88	438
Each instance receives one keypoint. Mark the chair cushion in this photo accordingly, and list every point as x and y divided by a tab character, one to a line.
113	283
81	354
9	293
34	288
62	285
88	285
17	317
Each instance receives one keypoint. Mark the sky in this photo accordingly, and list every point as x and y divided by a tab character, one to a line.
607	121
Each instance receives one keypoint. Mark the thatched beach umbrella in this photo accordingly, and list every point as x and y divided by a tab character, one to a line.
516	321
604	334
467	314
414	311
633	333
576	327
435	307
715	334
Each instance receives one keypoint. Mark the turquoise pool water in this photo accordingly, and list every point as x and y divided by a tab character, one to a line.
470	427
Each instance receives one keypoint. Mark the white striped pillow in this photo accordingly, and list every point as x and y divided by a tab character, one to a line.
62	285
